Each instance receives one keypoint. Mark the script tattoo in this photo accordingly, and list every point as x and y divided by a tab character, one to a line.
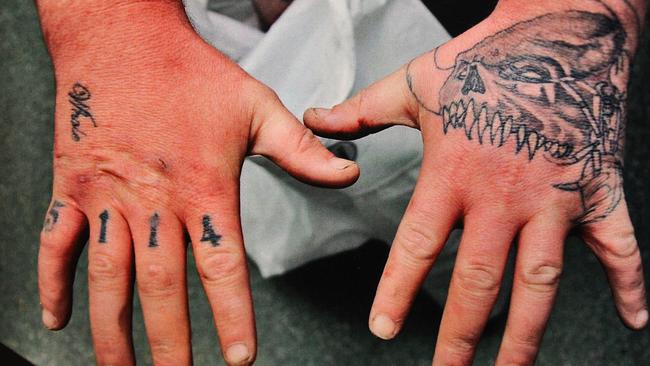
52	216
78	98
102	230
556	86
209	235
153	233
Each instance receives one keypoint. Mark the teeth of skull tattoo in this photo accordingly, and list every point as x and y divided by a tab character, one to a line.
555	85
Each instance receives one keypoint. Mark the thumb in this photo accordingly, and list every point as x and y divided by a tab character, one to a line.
279	136
385	103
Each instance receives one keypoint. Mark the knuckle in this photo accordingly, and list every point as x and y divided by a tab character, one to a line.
163	351
543	277
523	342
478	279
306	141
103	268
625	250
417	242
461	343
108	353
221	266
360	107
636	281
157	281
49	244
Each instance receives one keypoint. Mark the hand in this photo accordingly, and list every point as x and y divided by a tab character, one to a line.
523	129
152	126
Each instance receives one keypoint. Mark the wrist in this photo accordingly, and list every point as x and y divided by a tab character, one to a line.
73	27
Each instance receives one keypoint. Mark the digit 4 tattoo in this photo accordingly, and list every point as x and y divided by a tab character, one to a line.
209	235
556	86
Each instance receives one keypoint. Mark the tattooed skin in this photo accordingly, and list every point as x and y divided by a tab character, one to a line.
52	216
102	230
153	233
78	98
209	235
555	85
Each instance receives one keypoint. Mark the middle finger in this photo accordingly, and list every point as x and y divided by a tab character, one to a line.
474	287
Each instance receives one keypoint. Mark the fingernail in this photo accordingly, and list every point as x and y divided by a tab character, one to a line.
383	327
321	112
49	320
340	164
641	318
238	354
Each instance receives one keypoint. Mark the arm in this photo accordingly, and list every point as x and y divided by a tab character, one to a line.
151	128
523	122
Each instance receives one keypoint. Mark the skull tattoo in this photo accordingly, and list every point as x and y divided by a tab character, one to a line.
555	86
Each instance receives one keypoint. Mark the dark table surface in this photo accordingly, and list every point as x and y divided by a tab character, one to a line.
316	315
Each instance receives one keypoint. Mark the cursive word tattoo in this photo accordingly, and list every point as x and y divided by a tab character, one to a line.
556	86
153	230
52	216
103	217
209	235
79	97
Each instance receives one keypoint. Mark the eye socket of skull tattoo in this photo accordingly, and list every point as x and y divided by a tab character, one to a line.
556	86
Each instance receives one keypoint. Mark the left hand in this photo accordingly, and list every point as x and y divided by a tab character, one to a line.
523	126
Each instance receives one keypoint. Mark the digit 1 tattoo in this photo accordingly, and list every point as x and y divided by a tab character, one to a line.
208	232
102	230
556	86
153	233
52	216
78	98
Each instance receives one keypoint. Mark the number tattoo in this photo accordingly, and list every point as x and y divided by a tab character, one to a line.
52	216
153	233
208	232
102	230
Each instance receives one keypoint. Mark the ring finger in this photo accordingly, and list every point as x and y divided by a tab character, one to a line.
160	262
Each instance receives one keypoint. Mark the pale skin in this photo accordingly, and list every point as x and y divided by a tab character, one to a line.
502	193
151	128
163	123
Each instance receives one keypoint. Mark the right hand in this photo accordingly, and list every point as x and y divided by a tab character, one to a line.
514	153
152	127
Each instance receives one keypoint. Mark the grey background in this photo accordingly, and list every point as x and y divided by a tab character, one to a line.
316	315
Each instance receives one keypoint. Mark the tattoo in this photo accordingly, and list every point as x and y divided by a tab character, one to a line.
52	216
556	86
78	98
153	233
208	232
102	230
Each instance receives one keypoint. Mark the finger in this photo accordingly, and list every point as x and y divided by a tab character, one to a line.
385	103
475	282
283	139
219	253
160	267
62	238
537	274
110	286
615	245
420	238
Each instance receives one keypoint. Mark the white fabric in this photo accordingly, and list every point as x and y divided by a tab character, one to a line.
319	53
